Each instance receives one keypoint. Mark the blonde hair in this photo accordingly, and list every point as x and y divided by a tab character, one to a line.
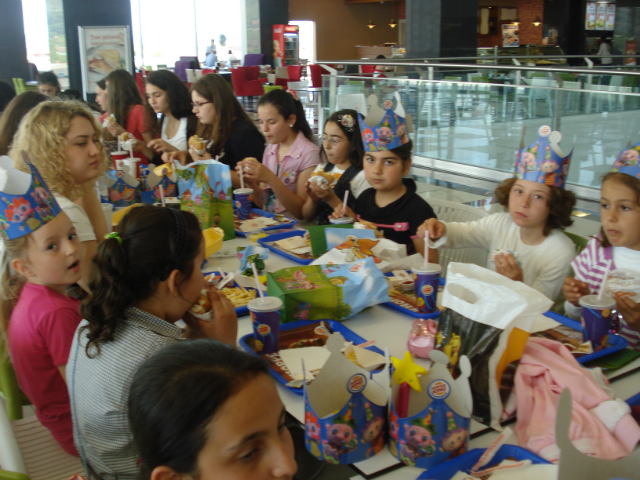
11	284
41	134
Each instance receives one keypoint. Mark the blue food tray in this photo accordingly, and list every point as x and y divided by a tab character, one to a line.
616	342
262	213
466	461
634	401
281	236
349	336
240	311
406	311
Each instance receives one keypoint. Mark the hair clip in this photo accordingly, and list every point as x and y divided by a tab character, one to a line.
115	235
347	122
293	93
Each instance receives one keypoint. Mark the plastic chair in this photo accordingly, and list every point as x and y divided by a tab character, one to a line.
9	388
316	72
294	72
579	242
268	88
246	83
19	86
456	212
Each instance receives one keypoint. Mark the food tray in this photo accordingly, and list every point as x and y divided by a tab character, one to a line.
616	342
261	213
407	311
634	401
240	311
349	335
269	242
466	461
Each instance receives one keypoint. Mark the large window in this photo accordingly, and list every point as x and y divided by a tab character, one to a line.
161	38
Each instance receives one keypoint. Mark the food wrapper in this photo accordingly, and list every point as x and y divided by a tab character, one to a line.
624	282
202	308
382	251
498	251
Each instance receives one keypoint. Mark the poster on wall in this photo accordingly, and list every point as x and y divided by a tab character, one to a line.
510	35
610	21
591	16
630	48
103	50
601	13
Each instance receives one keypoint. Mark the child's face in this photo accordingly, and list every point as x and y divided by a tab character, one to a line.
101	98
48	90
157	99
203	109
81	150
384	170
54	255
247	437
337	153
620	214
528	204
275	127
190	289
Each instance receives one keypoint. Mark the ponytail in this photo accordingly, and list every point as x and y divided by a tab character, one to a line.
287	104
10	286
150	243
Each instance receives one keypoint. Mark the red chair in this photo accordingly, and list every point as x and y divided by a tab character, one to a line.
246	83
206	71
316	71
294	72
367	70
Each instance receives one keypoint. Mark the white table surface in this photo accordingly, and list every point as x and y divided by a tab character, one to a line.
390	329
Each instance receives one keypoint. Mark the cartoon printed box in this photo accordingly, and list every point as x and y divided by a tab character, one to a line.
123	190
152	183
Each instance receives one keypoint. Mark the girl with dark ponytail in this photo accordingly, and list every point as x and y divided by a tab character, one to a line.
289	159
144	278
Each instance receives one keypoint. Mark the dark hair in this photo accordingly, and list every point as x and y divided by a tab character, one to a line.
356	150
123	95
154	242
16	109
170	427
177	92
380	57
7	93
102	83
628	181
217	91
48	78
560	203
287	105
72	94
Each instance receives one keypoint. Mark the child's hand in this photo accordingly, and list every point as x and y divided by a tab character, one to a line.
629	310
256	172
342	212
434	227
307	188
320	192
169	157
115	129
507	265
161	146
574	289
197	157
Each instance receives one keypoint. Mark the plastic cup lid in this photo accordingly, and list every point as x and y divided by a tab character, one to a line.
592	301
431	268
243	191
271	304
340	221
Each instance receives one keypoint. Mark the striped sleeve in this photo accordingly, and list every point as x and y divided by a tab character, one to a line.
589	266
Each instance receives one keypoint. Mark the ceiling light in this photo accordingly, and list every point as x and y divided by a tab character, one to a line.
516	21
371	24
537	21
393	23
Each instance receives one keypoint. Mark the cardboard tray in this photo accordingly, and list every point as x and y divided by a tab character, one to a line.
268	242
466	461
240	311
349	336
262	213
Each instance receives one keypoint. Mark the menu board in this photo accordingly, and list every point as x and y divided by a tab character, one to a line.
611	17
590	23
601	13
510	35
103	50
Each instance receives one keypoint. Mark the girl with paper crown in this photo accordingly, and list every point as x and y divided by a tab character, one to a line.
42	257
526	244
392	203
617	246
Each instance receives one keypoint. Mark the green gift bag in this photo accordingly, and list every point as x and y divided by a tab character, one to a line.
205	190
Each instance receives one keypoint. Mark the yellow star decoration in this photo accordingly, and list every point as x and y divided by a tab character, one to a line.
406	371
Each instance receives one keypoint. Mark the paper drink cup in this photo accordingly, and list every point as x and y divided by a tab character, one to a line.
596	319
116	157
242	202
427	282
132	166
341	221
107	209
265	318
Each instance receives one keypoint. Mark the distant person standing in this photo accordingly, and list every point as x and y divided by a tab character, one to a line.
212	59
232	57
605	51
211	48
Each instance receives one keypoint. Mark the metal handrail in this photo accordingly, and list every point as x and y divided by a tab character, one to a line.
479	57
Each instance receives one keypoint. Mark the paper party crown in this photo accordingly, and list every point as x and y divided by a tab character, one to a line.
386	134
627	162
543	161
26	203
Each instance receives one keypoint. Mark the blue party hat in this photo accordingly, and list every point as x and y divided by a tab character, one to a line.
543	161
628	161
26	203
388	133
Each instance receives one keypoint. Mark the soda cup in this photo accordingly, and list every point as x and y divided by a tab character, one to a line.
427	283
265	318
596	319
117	158
242	204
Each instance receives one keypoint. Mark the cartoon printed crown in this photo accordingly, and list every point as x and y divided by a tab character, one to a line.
628	161
389	133
26	203
543	161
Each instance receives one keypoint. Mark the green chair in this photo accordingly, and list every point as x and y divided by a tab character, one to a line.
357	83
9	388
579	242
19	86
268	88
453	79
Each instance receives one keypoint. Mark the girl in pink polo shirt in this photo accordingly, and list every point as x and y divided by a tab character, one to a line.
289	159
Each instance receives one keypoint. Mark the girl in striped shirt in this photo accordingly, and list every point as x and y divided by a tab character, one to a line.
618	242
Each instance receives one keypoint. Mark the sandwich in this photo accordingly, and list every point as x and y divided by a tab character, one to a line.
111	58
323	180
202	305
197	143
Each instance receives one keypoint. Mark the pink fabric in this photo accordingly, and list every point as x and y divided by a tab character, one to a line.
302	155
41	330
545	370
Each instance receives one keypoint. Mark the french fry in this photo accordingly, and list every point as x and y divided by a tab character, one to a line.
239	296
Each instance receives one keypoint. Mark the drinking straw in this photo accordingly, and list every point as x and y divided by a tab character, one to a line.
344	203
604	279
162	195
426	250
258	286
226	280
241	178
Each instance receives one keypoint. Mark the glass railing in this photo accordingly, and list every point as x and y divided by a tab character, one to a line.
471	123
